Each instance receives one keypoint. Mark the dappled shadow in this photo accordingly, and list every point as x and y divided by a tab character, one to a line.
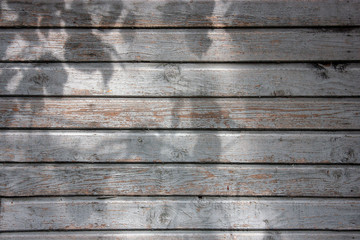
38	79
91	48
79	45
88	46
34	81
197	43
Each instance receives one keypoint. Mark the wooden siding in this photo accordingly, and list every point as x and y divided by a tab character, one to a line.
179	119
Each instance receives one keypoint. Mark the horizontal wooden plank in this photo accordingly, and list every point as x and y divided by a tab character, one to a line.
150	113
180	45
174	179
184	146
149	79
181	235
178	213
178	13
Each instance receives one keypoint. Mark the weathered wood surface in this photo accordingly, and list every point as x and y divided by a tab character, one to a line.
149	79
175	179
184	146
180	45
178	213
178	13
196	113
188	53
181	235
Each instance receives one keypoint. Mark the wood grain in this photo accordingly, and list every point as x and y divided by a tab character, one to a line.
180	45
144	179
165	80
178	13
181	235
196	113
178	213
176	147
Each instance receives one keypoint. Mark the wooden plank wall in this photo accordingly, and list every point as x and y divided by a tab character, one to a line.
179	119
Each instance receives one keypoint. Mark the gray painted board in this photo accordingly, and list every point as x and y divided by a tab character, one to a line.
178	213
196	113
175	179
178	13
180	45
180	146
185	235
164	80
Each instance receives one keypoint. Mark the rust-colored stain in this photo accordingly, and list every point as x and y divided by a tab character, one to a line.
110	114
275	42
261	176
